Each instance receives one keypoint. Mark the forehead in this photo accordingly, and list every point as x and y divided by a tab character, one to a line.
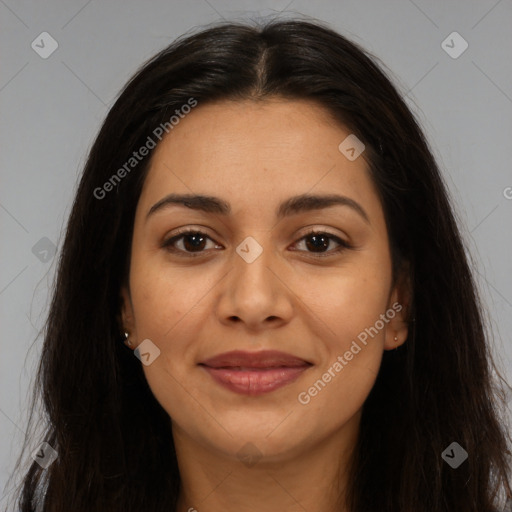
249	152
271	131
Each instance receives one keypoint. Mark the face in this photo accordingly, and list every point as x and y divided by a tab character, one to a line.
254	278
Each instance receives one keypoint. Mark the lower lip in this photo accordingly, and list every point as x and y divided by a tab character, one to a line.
255	381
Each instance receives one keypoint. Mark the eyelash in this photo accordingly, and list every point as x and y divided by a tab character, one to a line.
167	244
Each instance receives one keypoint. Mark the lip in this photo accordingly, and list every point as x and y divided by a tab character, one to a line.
254	373
261	359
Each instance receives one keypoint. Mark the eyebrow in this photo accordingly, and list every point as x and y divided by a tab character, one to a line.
292	206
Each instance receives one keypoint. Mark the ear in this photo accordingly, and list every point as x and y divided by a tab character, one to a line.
126	318
398	312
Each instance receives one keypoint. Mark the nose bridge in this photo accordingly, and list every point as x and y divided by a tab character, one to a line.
253	290
253	261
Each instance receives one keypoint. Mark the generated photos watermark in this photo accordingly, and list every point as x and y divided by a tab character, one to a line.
305	397
143	151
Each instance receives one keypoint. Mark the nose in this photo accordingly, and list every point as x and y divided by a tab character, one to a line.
255	293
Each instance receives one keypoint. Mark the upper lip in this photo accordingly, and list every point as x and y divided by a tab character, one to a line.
262	359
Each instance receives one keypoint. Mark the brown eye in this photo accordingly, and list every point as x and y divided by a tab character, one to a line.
318	242
193	243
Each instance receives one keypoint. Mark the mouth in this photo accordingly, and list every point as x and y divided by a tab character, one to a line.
254	373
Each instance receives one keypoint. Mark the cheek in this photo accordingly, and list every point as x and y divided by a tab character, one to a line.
349	302
352	349
161	296
348	314
166	308
171	306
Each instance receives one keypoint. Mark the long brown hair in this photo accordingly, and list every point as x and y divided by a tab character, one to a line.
114	442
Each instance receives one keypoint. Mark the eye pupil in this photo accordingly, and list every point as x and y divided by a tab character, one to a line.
317	242
196	244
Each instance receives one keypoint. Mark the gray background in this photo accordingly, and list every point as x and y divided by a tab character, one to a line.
52	108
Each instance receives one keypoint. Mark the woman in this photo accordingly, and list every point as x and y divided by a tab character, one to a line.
262	220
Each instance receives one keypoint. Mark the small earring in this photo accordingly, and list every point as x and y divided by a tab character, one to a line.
127	339
396	338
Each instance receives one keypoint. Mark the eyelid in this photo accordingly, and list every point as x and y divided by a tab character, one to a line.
180	233
314	229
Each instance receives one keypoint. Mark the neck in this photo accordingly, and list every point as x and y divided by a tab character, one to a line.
313	478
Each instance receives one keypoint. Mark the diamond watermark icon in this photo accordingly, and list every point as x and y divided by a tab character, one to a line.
44	249
249	249
249	454
44	45
44	455
454	45
454	455
147	352
351	147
